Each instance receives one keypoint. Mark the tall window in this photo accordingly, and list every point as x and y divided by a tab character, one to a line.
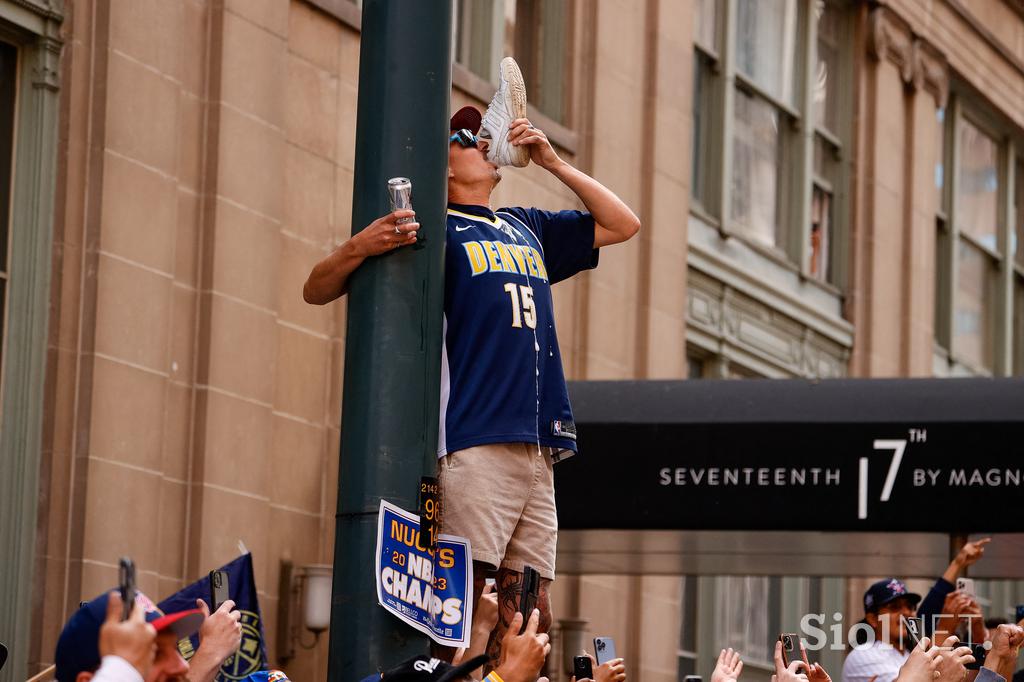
827	173
538	42
477	43
541	50
762	116
977	188
706	62
775	112
8	82
749	615
943	237
1017	251
979	267
688	630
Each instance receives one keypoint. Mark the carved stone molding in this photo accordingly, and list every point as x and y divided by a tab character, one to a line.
931	71
743	327
46	70
922	66
48	9
892	38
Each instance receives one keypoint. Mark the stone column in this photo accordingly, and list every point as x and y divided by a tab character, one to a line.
894	234
931	90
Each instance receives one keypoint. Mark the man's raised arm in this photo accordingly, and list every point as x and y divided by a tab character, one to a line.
614	221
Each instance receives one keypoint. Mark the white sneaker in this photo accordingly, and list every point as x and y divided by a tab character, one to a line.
508	104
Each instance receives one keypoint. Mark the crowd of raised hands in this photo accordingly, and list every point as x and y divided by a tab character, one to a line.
949	661
152	653
523	654
928	661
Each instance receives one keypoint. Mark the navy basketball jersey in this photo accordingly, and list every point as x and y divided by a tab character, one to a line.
501	371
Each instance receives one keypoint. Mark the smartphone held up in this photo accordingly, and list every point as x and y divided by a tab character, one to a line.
528	597
582	668
126	586
914	627
792	650
604	649
219	589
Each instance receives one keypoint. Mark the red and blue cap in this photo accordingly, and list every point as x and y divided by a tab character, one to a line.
78	649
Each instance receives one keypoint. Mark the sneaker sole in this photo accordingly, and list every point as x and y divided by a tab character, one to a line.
512	75
517	87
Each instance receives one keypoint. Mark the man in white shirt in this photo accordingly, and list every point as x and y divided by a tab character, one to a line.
885	604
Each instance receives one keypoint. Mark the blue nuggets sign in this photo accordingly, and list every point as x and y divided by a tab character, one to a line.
432	593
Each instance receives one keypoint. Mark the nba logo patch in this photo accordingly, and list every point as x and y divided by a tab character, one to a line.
563	429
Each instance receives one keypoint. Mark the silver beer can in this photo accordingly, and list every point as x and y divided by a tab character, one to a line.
400	196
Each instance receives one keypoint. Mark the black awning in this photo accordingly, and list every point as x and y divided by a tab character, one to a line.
937	455
778	401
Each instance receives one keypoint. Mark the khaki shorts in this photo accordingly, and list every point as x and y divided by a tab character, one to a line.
502	497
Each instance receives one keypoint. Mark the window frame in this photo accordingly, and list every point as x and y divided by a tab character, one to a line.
7	231
690	606
706	203
531	44
1015	353
496	36
797	136
948	360
35	31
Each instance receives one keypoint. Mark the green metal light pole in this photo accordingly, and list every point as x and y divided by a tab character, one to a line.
395	307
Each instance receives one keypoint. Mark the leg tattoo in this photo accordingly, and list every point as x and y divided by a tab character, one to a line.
510	591
510	588
544	604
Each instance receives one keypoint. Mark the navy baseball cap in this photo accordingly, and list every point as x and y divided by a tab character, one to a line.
885	591
78	649
467	117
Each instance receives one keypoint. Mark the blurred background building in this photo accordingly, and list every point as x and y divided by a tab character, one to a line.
828	188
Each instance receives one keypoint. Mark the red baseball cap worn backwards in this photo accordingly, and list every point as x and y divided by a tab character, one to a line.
467	117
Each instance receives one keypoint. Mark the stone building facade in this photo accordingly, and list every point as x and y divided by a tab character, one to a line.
828	188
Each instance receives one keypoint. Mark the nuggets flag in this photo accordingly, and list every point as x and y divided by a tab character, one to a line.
252	654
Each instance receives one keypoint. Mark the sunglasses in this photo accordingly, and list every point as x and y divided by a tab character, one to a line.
463	137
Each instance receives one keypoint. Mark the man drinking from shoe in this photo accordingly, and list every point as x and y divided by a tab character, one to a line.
505	415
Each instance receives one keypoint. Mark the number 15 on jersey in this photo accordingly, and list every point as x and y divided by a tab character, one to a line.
523	308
